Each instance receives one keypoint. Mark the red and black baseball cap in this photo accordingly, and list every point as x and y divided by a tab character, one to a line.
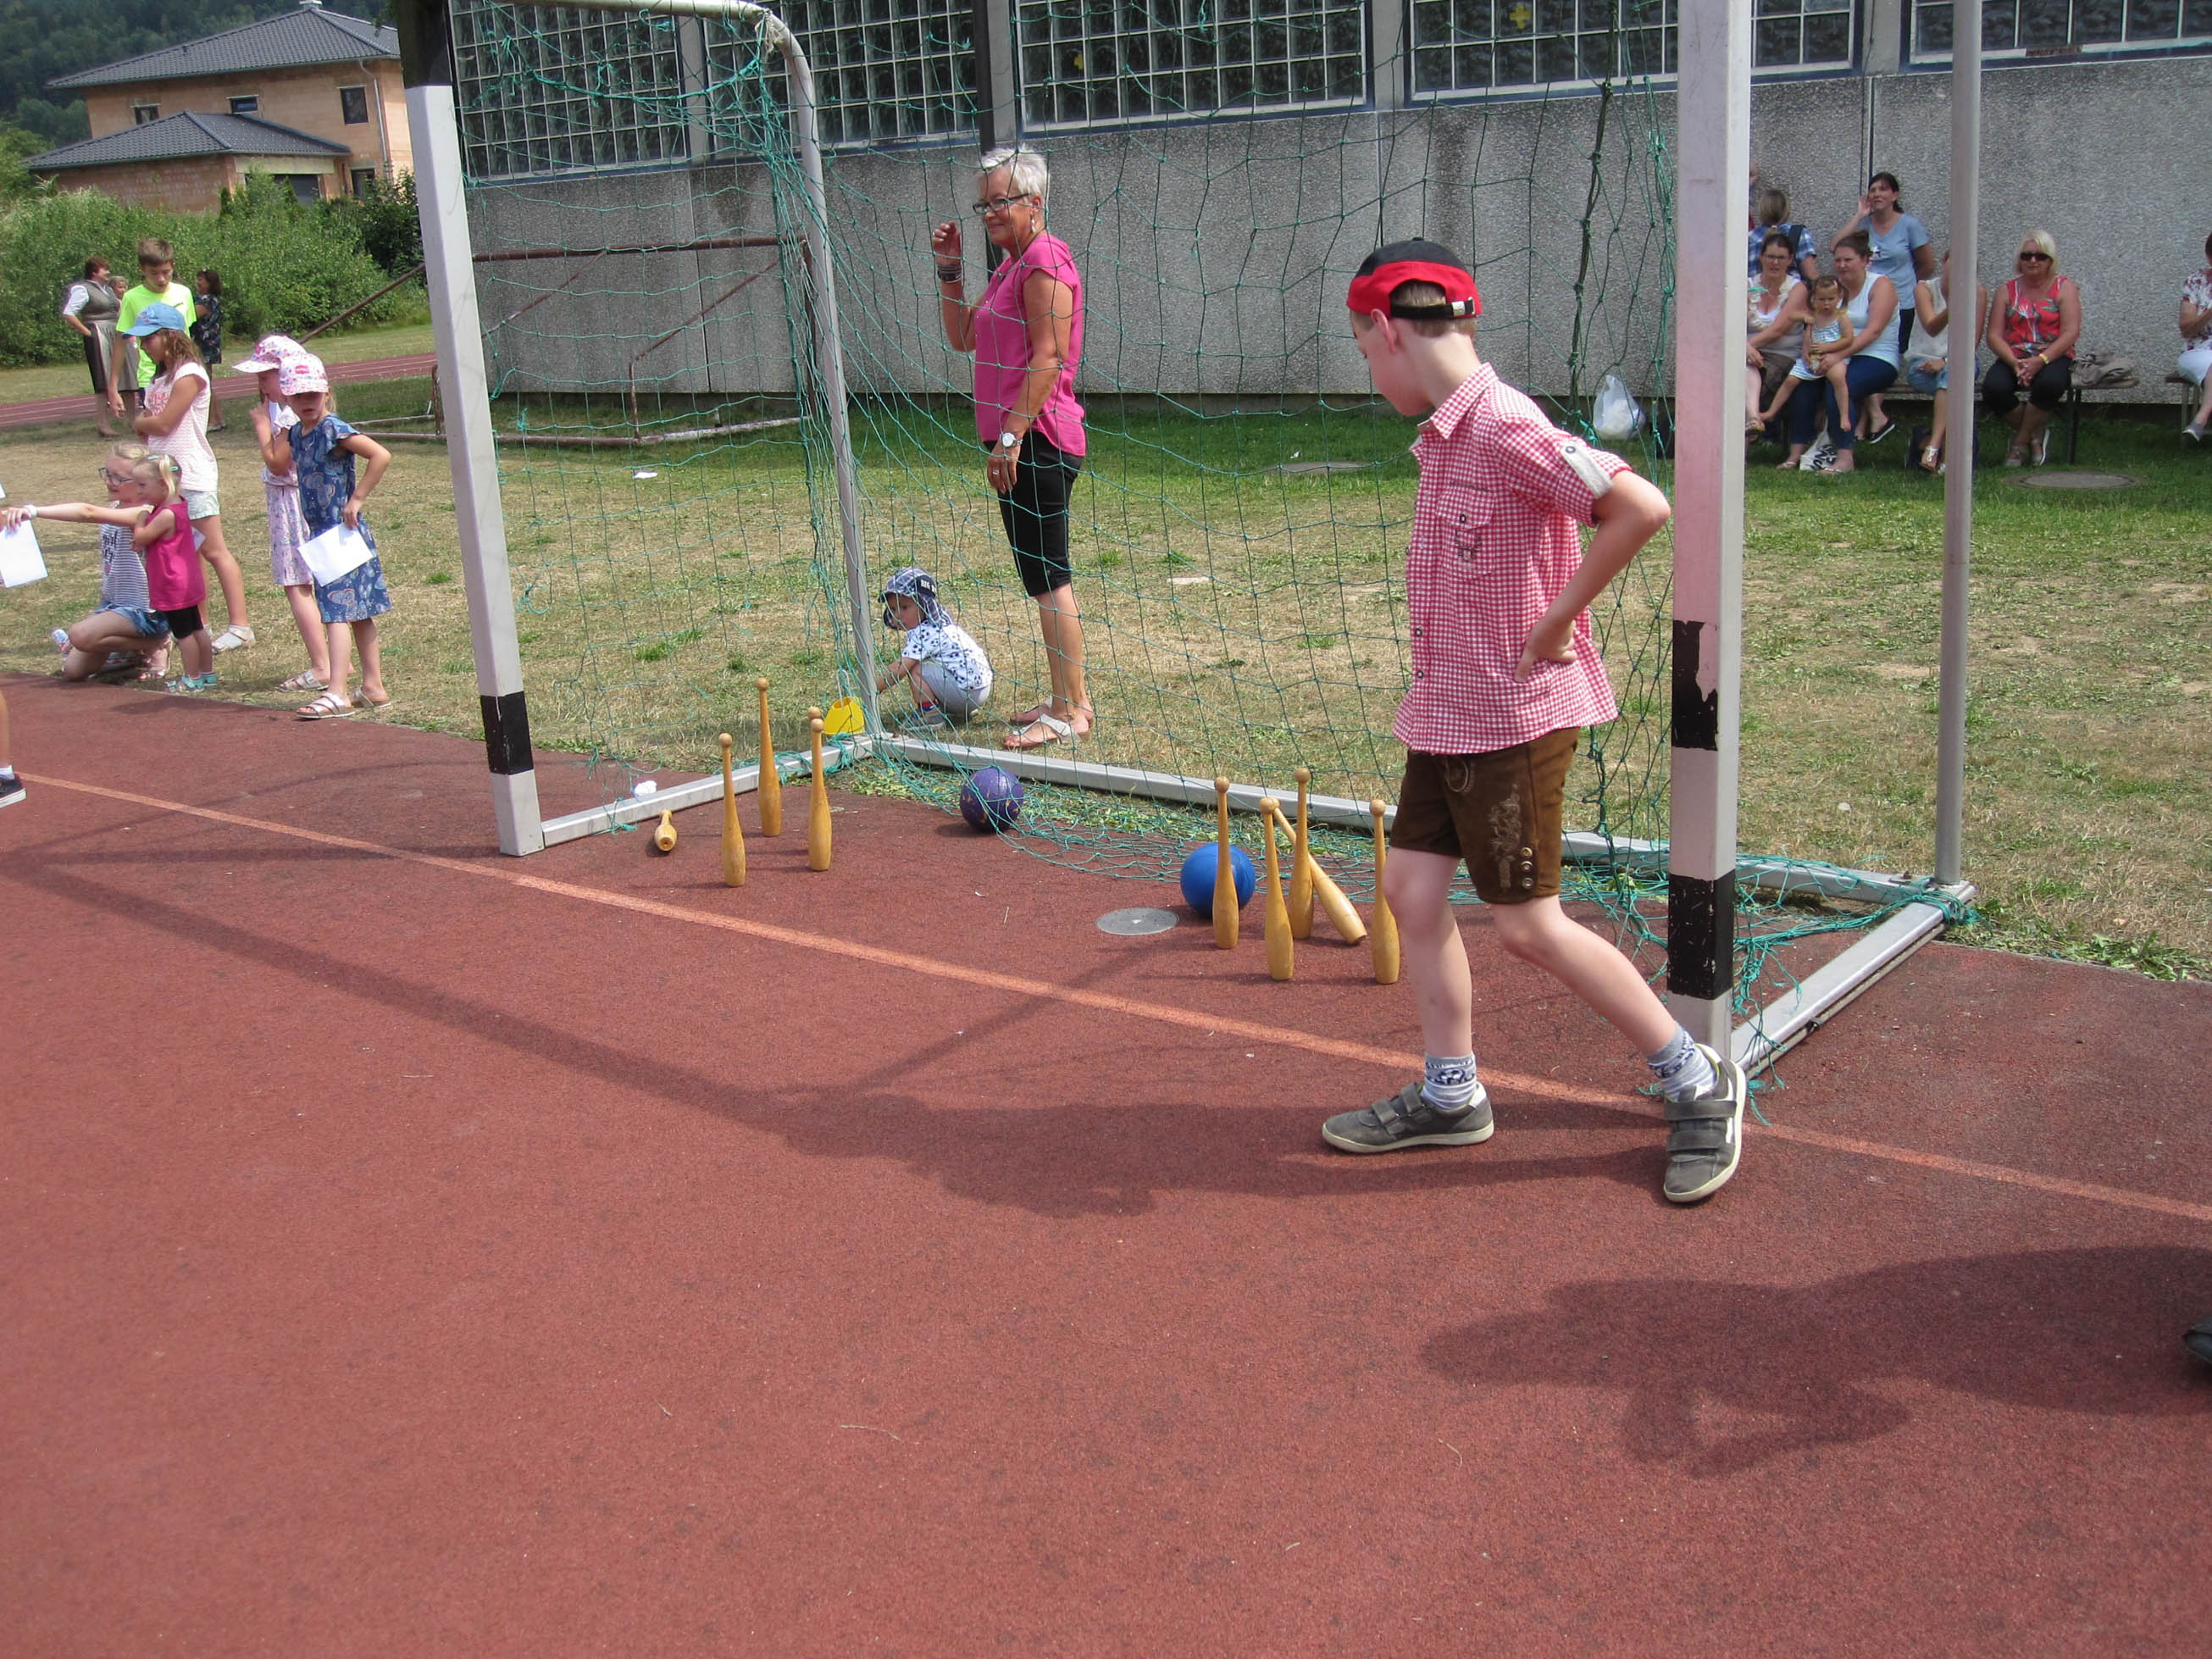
1386	270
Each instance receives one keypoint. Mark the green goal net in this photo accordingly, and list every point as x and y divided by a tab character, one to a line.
1239	526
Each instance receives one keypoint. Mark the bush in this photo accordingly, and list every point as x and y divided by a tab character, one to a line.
385	222
286	266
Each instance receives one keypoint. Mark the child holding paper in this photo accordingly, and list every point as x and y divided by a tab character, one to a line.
321	453
287	530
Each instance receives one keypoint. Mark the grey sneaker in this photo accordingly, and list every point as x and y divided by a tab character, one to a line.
2194	432
1407	1120
11	791
1705	1134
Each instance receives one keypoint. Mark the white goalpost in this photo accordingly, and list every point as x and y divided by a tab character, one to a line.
1699	858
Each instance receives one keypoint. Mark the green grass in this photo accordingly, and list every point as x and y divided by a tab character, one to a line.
1246	619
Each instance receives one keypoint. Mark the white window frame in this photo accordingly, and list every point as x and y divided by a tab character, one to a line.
497	71
1281	38
237	98
1625	66
886	71
143	113
2072	51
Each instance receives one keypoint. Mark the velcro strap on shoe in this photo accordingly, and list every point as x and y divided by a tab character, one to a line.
1391	1112
1687	1111
1707	1134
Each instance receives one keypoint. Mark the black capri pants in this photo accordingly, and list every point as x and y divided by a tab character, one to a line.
1034	511
2000	386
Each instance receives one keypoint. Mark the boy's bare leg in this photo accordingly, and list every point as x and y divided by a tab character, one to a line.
1434	956
1541	933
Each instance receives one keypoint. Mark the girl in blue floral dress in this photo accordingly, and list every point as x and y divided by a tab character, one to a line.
321	450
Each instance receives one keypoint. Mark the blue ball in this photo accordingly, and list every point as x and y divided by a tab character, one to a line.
991	799
1197	874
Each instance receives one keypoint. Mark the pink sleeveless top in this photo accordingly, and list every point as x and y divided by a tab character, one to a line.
1002	348
174	577
2032	325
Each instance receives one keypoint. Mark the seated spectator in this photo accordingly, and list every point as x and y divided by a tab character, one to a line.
1870	302
1927	363
1777	327
2196	342
1772	216
2034	323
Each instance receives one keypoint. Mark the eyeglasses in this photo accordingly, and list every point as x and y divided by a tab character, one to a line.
984	208
2034	253
115	479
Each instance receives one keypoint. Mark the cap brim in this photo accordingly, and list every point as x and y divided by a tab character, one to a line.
254	366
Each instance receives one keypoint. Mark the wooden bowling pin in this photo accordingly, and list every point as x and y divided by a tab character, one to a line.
663	833
771	782
1337	908
1383	941
733	835
817	807
1302	867
1277	927
1225	873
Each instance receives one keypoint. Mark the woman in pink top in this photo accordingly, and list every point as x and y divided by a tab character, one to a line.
2032	326
1026	332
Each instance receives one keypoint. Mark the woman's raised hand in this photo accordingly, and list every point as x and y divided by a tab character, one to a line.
944	240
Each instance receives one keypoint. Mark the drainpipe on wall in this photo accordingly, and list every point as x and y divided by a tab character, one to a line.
383	133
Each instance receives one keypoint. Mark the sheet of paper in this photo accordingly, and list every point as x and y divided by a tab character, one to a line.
21	561
336	551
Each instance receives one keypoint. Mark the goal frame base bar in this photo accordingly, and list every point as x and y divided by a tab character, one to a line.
837	753
1771	1031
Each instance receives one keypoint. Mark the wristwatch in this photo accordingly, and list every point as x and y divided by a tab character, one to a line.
1009	440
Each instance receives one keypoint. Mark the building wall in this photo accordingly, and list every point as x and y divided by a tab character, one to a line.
305	100
1215	254
193	185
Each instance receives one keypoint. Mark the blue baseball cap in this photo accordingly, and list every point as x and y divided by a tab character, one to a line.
155	318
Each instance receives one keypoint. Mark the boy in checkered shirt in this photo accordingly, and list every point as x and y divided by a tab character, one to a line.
1505	675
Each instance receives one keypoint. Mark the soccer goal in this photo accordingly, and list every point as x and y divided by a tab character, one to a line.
698	406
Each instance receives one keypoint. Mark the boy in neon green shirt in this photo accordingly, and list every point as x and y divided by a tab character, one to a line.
157	284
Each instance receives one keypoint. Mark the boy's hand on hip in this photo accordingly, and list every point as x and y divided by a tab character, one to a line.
1552	640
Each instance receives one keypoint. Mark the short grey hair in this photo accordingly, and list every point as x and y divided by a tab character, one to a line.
1025	169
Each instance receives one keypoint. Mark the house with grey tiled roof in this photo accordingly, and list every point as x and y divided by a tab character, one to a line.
311	96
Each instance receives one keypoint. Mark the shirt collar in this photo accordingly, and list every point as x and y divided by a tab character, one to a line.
1455	409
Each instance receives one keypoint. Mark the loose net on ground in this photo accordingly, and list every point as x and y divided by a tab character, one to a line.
1239	527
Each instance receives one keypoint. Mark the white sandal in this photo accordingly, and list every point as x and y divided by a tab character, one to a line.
1056	730
331	706
236	637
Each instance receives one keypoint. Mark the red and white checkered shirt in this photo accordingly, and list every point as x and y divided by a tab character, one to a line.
1494	542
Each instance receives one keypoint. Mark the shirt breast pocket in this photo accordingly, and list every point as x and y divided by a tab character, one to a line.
1470	521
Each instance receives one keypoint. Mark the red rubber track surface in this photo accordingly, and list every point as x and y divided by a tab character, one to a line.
408	1250
46	411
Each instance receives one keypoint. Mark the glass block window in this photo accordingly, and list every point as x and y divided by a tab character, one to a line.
543	89
1473	46
1081	62
2029	28
883	69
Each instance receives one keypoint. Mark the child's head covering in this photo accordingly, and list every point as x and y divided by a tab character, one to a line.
1384	271
302	373
271	351
915	584
155	318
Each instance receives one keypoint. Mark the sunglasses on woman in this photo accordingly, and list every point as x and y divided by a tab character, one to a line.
2036	253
